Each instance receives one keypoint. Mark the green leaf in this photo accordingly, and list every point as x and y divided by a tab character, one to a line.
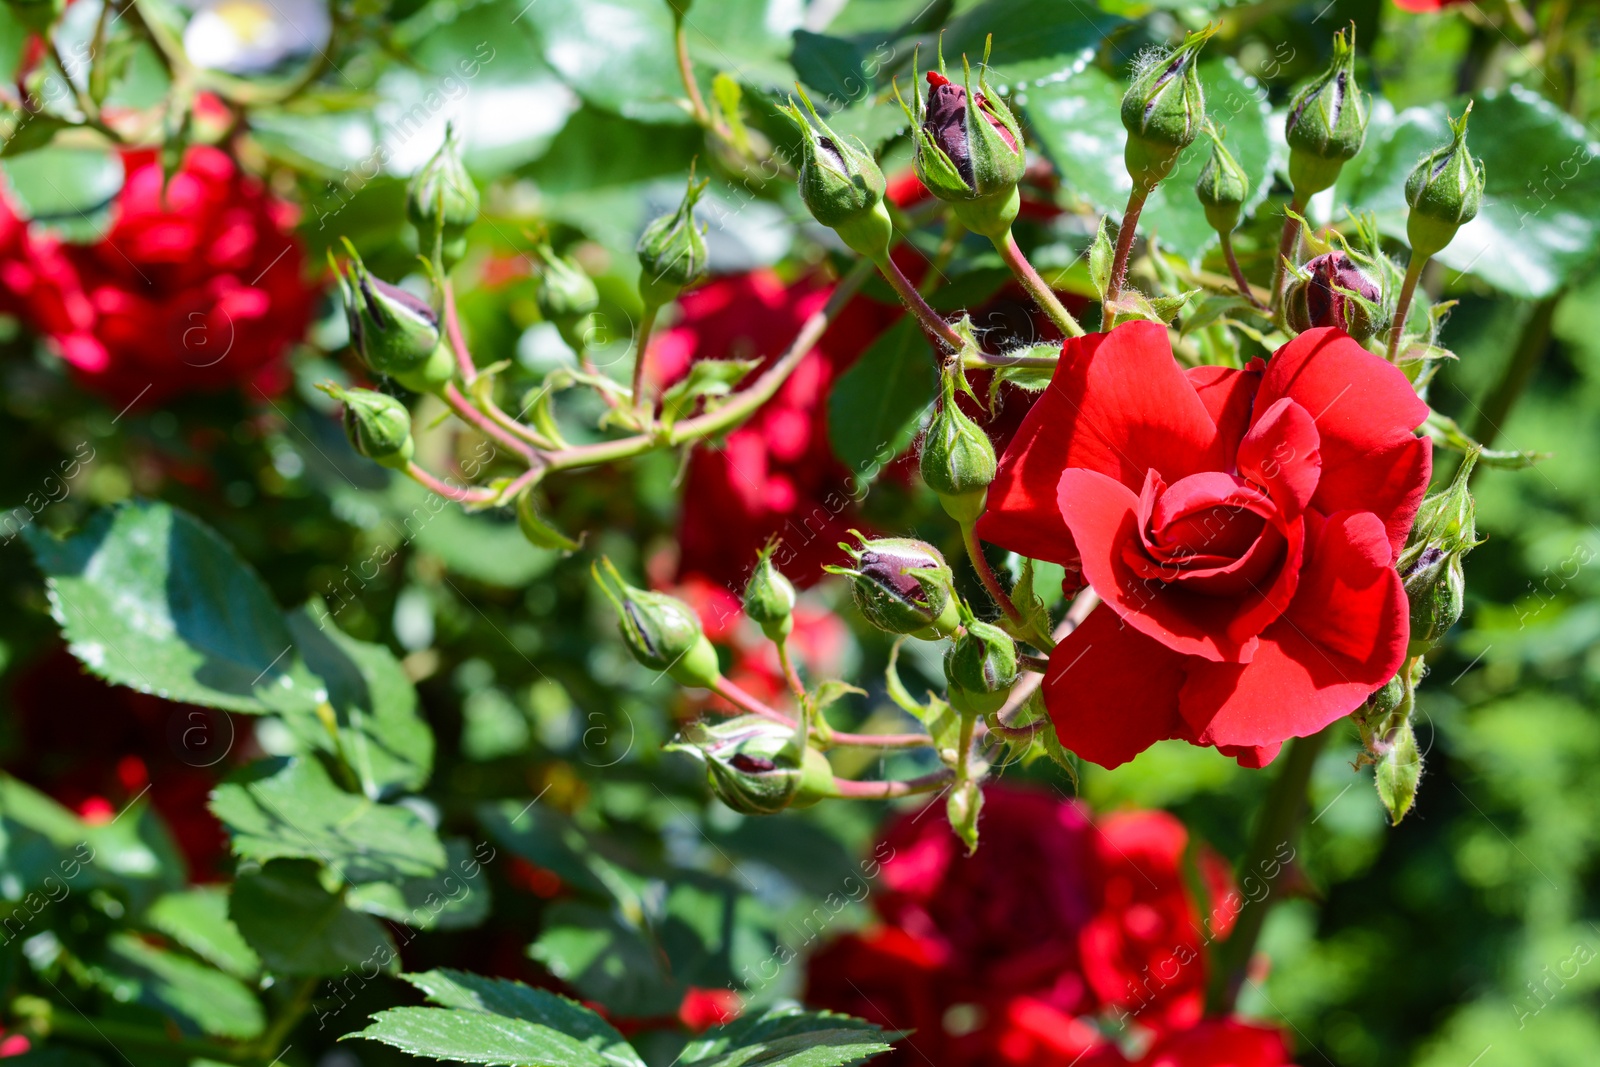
495	1021
1540	220
191	994
454	899
198	920
33	132
381	735
1034	40
291	808
707	378
831	691
789	1037
617	54
66	191
1102	256
149	597
298	927
878	405
549	839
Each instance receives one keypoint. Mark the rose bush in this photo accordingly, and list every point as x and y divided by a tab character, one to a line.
1240	527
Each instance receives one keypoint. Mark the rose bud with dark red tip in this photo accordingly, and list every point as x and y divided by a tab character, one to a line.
902	585
396	332
1335	293
757	766
661	631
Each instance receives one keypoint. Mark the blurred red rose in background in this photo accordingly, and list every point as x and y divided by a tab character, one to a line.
197	286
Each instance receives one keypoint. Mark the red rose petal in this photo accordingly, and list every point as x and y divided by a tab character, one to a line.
1228	395
1281	453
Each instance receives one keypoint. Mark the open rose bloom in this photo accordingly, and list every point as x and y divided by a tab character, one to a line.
1240	527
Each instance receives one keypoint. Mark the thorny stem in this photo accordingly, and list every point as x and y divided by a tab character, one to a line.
1264	866
997	593
1126	232
740	698
927	783
646	408
1288	246
1036	286
1402	309
990	359
930	319
1238	273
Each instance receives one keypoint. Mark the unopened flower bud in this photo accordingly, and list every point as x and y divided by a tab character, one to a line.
442	202
901	585
661	631
1163	111
1444	192
396	332
1336	293
757	766
1430	564
958	460
980	667
1222	188
841	184
1327	122
379	426
969	148
769	597
672	250
564	293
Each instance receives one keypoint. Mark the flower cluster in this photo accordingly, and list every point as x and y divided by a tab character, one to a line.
1062	928
197	286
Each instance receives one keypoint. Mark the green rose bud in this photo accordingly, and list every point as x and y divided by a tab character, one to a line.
1444	192
442	202
1164	110
379	426
757	766
902	586
841	184
395	331
980	667
661	631
1430	564
1327	122
564	293
968	147
672	250
958	460
769	597
1222	187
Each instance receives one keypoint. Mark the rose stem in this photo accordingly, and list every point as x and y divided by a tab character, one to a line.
1279	818
991	585
787	663
1119	262
469	414
1036	664
930	319
735	695
702	114
1036	286
1288	245
928	783
646	325
1238	273
445	489
452	325
1408	289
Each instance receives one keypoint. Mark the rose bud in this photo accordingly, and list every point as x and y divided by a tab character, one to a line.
672	250
1163	111
379	426
1327	123
1222	188
769	597
1335	292
902	586
661	631
565	295
1444	192
841	184
958	460
968	148
442	202
537	531
395	331
757	766
980	667
1430	564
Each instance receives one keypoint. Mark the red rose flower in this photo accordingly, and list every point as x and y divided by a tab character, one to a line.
196	287
1213	1043
1426	7
1240	527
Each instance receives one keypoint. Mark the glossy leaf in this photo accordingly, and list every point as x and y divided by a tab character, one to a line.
298	927
191	994
456	898
198	920
789	1037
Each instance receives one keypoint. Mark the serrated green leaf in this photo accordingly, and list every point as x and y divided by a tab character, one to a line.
298	927
151	598
198	920
454	899
494	1021
290	808
381	735
194	996
789	1037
